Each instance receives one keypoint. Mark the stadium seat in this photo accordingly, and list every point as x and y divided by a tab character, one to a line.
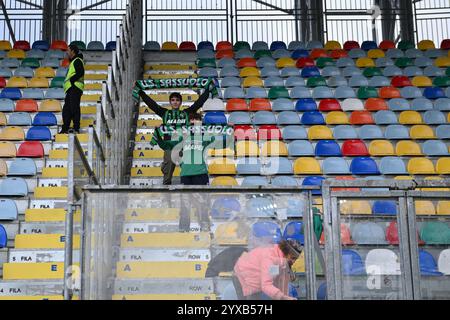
6	105
357	53
309	72
299	148
434	117
358	207
327	148
7	149
349	45
354	148
254	181
443	131
443	207
379	148
392	166
335	165
252	81
260	207
275	45
443	166
269	132
153	46
224	181
368	233
361	117
11	93
230	82
249	72
424	207
187	46
30	149
413	53
256	92
433	71
351	104
408	148
434	93
274	149
322	92
111	46
225	54
443	262
365	63
307	166
208	72
314	82
313	181
251	166
294	81
244	132
285	62
10	63
300	54
266	232
312	118
288	118
352	263
344	132
320	132
45	119
382	262
8	211
398	104
234	92
435	232
16	54
336	118
411	93
80	44
442	81
420	166
435	148
17	82
423	62
247	149
217	118
284	181
421	104
396	132
55	93
13	187
222	166
294	230
370	132
294	133
289	72
38	83
329	105
413	72
358	81
19	119
410	117
282	104
389	93
264	117
442	62
300	93
364	166
22	167
421	132
277	166
337	54
376	104
386	45
39	134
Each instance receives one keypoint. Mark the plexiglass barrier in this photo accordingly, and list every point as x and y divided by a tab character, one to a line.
195	243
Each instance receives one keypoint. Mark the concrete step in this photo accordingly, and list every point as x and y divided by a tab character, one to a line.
163	255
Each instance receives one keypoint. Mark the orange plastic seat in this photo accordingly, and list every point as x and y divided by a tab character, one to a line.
237	105
318	53
361	117
246	62
389	93
260	104
376	104
224	45
224	54
26	105
59	45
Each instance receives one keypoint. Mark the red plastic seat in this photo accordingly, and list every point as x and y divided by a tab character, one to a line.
392	234
260	104
224	45
400	81
269	132
2	82
389	93
348	178
386	45
31	149
246	62
445	44
22	45
318	53
27	105
65	63
349	45
354	148
305	62
329	105
361	117
225	54
337	54
237	105
187	46
59	45
376	104
244	132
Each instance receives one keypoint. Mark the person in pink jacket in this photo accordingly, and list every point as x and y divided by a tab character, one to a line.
265	272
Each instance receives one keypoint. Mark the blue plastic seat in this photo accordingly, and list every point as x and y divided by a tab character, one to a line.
35	53
435	148
10	63
22	167
39	134
379	81
208	72
275	45
412	71
50	62
150	46
55	54
384	207
312	118
345	62
351	71
284	181
282	104
300	148
428	265
226	62
413	53
395	53
357	53
243	53
433	71
314	181
304	105
61	72
229	71
447	92
384	62
273	82
331	71
300	93
392	71
230	82
256	92
398	104
335	165
411	92
281	53
392	165
217	118
345	132
264	117
25	72
11	93
358	81
434	93
288	118
250	166
295	81
19	119
270	71
234	92
13	187
239	117
368	233
55	93
442	104
294	230
310	72
423	62
264	62
277	165
8	210
369	45
435	53
260	207
5	72
6	105
421	104
45	119
370	132
33	93
322	93
110	46
260	45
314	44
396	132
385	117
3	237
296	45
322	292
205	45
267	231
206	54
352	263
434	117
255	181
289	72
339	81
344	92
294	133
300	53
98	46
364	166
328	148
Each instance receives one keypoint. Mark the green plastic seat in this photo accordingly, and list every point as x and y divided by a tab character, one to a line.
80	44
57	82
404	62
239	45
442	81
405	45
203	63
263	53
447	72
323	62
316	82
372	72
31	62
278	92
367	92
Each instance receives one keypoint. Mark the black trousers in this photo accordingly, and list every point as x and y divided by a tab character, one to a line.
198	180
71	109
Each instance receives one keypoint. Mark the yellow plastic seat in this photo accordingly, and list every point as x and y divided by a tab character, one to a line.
336	117
44	72
12	134
333	45
224	182
320	133
38	83
285	62
252	82
3	168
426	45
3	121
5	45
443	207
225	152
17	82
424	207
230	233
408	148
274	148
422	132
304	166
422	81
375	54
50	105
434	178
169	46
404	178
443	166
442	62
410	117
222	166
365	63
249	72
381	148
420	166
7	149
16	54
247	149
355	207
